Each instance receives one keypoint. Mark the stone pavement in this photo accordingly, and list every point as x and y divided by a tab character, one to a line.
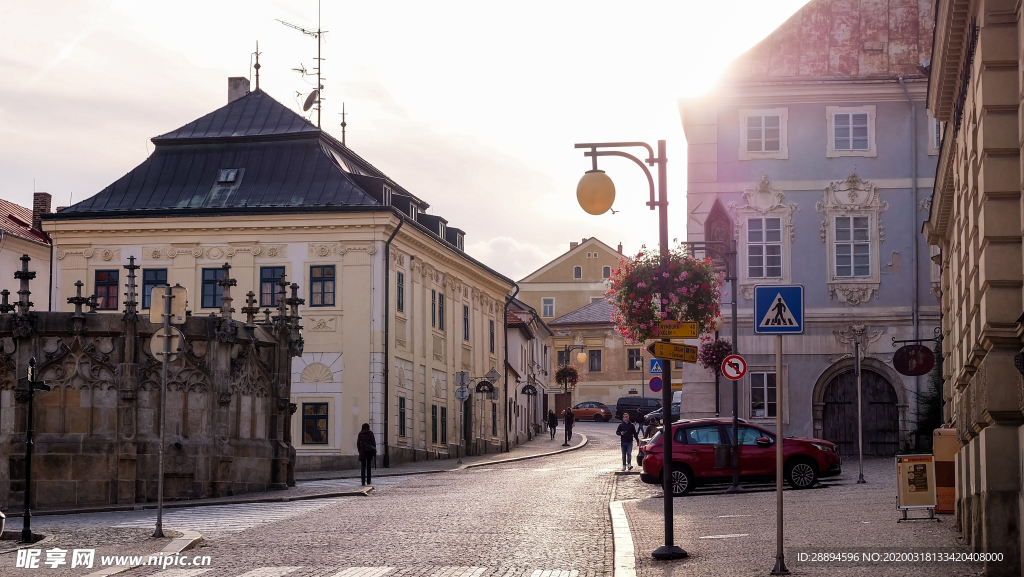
735	534
116	543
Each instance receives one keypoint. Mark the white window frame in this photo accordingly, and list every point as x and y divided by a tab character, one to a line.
852	197
853	243
762	376
783	152
543	307
763	245
830	144
934	135
746	410
763	202
577	272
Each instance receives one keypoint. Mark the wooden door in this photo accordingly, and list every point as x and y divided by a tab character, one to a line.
880	413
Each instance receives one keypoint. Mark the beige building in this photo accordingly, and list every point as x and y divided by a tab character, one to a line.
528	338
573	280
21	234
393	306
975	221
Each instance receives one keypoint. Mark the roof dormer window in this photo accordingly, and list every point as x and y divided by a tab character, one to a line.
413	211
441	230
460	241
227	175
387	195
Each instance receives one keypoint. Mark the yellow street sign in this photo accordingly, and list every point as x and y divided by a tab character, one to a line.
674	352
677	330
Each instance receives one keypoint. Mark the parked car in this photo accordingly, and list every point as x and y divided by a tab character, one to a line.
694	461
592	410
637	407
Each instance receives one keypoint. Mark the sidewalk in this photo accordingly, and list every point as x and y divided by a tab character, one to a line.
539	447
735	534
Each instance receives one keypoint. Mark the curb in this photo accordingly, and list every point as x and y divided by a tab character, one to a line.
188	540
525	457
46	539
625	555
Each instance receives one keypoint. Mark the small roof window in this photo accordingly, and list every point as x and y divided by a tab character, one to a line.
227	175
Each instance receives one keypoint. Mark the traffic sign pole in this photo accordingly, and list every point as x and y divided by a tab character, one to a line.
780	555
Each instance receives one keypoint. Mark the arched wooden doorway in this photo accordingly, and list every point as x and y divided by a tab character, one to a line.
880	413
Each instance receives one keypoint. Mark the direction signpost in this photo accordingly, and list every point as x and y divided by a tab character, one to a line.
673	352
778	310
677	330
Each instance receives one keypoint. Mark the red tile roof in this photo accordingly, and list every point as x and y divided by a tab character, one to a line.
16	220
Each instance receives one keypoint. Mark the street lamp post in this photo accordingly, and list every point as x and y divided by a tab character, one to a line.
596	193
32	385
581	357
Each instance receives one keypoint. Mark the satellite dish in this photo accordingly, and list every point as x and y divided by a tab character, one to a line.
310	100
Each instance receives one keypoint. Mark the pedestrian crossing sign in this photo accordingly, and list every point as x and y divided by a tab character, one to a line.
655	367
779	309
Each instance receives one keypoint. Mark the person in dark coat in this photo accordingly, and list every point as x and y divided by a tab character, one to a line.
627	432
569	420
366	443
552	423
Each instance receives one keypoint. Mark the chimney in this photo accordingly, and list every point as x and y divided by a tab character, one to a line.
40	206
573	245
238	86
620	248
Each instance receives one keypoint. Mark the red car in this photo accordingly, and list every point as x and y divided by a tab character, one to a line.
693	448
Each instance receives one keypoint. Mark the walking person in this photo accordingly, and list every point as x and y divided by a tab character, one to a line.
366	444
569	420
627	432
552	423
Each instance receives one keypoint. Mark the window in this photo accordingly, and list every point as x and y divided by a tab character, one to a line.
440	312
387	195
708	435
547	308
314	423
606	272
269	276
748	435
321	282
413	211
460	241
433	308
400	293
465	322
152	277
577	272
851	131
852	246
433	423
401	416
442	230
444	425
762	395
934	135
562	358
494	419
634	360
595	360
212	290
227	175
763	134
492	334
764	247
107	288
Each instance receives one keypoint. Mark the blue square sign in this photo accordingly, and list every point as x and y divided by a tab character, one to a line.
779	309
655	367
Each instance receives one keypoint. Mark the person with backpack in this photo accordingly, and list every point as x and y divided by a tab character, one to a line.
627	432
366	444
569	420
552	423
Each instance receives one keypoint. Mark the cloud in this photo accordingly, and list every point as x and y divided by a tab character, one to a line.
511	257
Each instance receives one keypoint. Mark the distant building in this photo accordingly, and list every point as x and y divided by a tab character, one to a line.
975	223
529	339
573	280
394	307
804	155
21	233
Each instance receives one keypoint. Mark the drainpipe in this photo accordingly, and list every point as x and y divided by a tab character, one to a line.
504	335
387	337
913	212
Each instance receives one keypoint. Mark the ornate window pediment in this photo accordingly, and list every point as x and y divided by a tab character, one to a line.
852	232
764	231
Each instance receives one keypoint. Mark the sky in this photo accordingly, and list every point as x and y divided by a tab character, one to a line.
472	106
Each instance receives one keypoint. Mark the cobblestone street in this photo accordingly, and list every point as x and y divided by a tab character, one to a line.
541	517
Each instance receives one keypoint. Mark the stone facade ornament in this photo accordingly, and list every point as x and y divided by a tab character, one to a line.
850	199
763	203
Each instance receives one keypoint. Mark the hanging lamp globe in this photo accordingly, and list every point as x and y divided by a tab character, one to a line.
581	357
595	192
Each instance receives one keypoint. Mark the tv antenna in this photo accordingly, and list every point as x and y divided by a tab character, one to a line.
316	96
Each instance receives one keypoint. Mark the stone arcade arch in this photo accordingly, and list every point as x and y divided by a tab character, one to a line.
847	365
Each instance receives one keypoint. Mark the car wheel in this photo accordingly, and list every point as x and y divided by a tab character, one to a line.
597	418
682	481
801	474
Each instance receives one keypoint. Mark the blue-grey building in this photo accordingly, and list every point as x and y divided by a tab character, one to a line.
815	155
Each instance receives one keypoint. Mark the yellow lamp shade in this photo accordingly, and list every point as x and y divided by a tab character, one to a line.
581	357
595	192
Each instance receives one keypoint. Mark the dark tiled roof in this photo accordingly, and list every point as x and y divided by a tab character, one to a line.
16	220
253	115
596	312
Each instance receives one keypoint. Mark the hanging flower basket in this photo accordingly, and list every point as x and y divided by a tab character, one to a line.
567	376
645	294
712	352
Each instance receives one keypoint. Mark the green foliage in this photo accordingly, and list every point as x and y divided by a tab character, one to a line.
929	405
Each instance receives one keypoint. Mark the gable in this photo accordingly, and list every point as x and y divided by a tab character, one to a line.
561	268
